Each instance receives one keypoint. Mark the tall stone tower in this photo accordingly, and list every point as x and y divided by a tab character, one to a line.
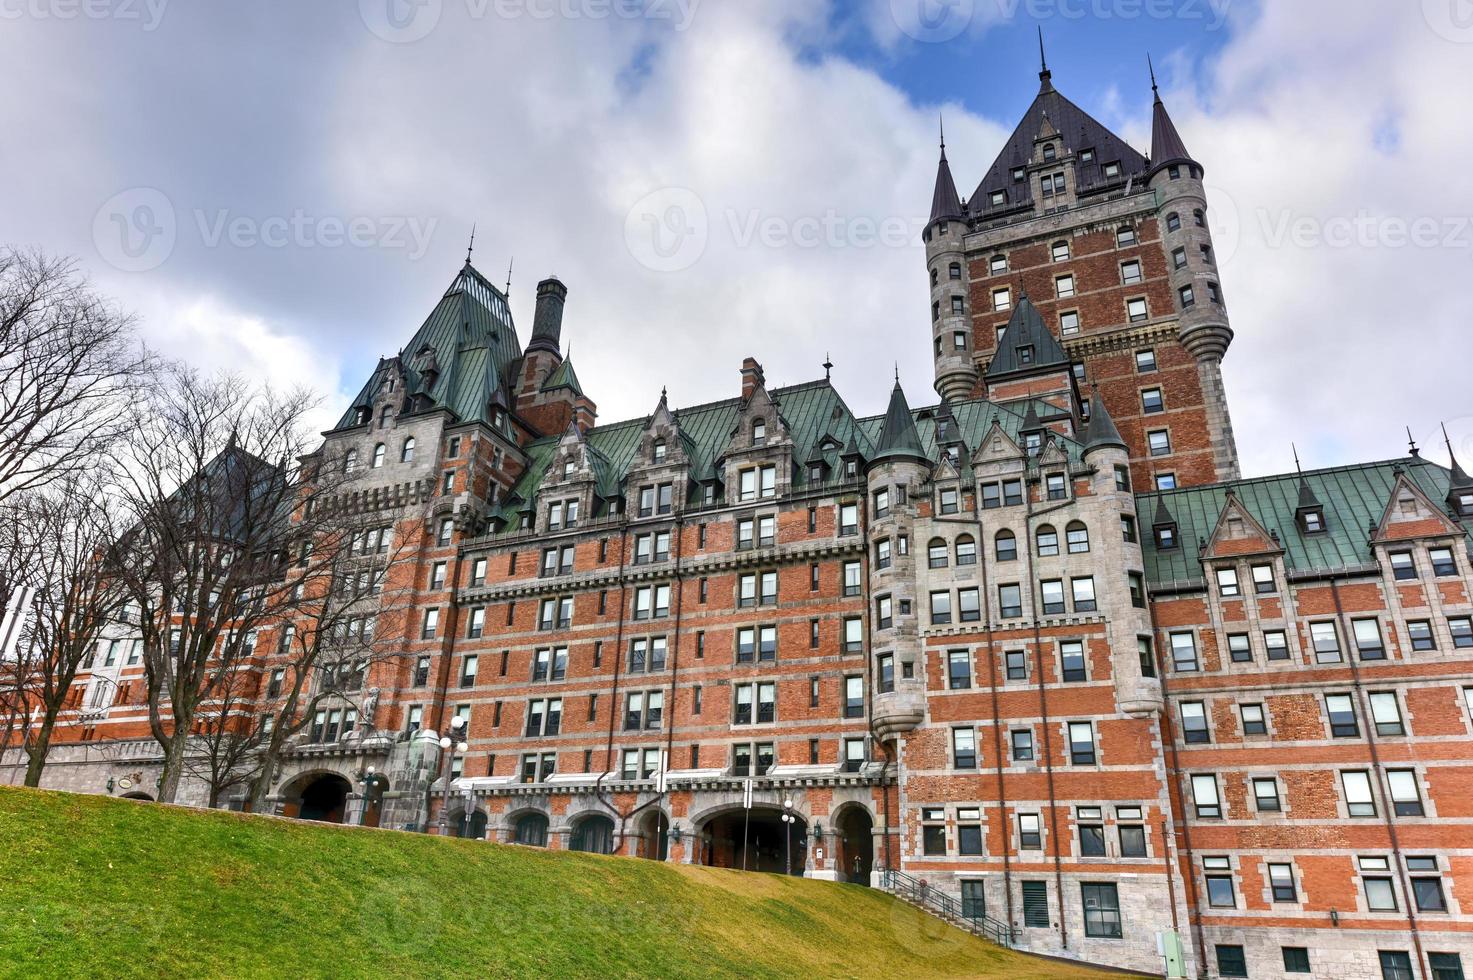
1112	250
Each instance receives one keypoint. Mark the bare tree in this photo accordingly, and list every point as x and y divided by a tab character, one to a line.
56	536
224	752
208	473
70	367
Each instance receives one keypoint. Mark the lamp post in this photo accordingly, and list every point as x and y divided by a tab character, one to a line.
373	783
788	821
454	741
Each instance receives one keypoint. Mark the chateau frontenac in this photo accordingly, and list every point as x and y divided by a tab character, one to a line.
1032	642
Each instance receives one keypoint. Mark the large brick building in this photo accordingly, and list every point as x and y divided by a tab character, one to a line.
1039	645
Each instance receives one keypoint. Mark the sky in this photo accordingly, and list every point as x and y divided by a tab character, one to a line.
284	189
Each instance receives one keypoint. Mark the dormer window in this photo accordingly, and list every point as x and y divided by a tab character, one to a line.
1025	354
658	453
759	432
1111	170
1019	174
1033	442
1052	184
1049	152
1165	536
1463	503
998	198
1312	520
569	468
1086	156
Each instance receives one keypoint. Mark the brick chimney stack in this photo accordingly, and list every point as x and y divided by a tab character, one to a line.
752	377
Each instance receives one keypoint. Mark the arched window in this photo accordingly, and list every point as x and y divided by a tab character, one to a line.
659	451
759	430
1077	536
935	277
1199	218
406	455
1048	541
1007	545
350	461
936	553
378	455
966	550
531	829
954	270
594	834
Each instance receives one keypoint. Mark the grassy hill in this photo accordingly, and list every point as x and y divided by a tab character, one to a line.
102	887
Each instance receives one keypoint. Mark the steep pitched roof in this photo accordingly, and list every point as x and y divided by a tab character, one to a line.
1166	143
473	340
898	436
563	377
1354	499
1026	329
1080	132
944	201
1100	432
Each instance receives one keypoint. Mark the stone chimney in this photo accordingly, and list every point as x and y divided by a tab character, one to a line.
547	320
752	378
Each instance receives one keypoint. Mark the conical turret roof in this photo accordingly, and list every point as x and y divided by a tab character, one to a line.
899	438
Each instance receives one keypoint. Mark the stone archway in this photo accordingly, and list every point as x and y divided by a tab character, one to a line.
472	826
652	839
594	834
854	844
758	840
137	796
324	798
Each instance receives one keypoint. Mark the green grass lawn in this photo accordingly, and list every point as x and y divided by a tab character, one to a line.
101	887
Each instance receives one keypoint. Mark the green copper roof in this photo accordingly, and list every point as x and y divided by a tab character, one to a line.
563	377
1353	497
1100	431
473	341
898	437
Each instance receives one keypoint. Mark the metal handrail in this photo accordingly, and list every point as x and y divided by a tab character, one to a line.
933	899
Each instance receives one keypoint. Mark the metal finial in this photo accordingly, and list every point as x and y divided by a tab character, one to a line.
1295	449
941	125
1152	68
1413	442
897	374
471	245
828	366
509	262
1042	61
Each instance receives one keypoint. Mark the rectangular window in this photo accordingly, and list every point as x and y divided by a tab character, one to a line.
1151	401
1194	722
1091	832
854	697
1426	884
1219	877
1084	594
1069	323
1419	631
1017	665
1010	601
1081	743
1230	961
1051	595
1159	441
1240	651
1326	640
1030	832
959	669
1396	965
940	608
1341	711
1403	568
1281	883
1253	719
1406	797
1443	562
1204	795
1071	655
1461	628
1022	745
1130	272
1368	641
1184	652
1376	882
1358	799
1386	713
1276	644
964	748
1101	909
1035	904
1227	583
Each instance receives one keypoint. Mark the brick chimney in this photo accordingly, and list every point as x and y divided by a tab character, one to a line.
752	377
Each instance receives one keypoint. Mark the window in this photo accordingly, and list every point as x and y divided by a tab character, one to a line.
966	550
949	500
1017	665
1443	562
1427	891
1145	361
1064	286
1276	644
431	623
1341	710
1406	799
1296	959
1420	633
969	605
1178	258
1091	832
854	697
1071	655
964	748
1151	402
1055	486
997	264
854	754
1281	883
1130	272
1263	580
1194	722
1010	601
1357	786
957	305
1022	745
1135	310
1326	643
1395	965
848	519
1204	796
1030	832
1184	652
1461	628
1266	794
940	608
1006	545
1069	322
1146	655
1048	541
1077	537
1166	481
1231	961
1124	237
1368	639
936	553
1239	649
933	830
1173	222
959	669
1111	170
884	612
1375	880
468	670
1447	966
1219	877
1386	714
1253	720
853	635
1159	441
1101	909
1081	743
1002	299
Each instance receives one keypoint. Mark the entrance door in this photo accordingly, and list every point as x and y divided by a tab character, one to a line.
856	845
759	842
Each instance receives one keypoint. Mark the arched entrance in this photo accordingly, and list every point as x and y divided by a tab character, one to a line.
474	828
325	798
654	836
136	796
756	840
530	829
854	845
593	834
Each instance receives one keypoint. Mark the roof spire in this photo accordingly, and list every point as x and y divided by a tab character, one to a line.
1154	90
1460	479
1414	451
471	245
1100	430
1044	75
898	436
1307	496
1166	143
945	203
509	262
828	365
1295	450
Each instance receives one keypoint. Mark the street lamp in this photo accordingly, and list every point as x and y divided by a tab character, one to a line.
457	729
788	821
373	783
